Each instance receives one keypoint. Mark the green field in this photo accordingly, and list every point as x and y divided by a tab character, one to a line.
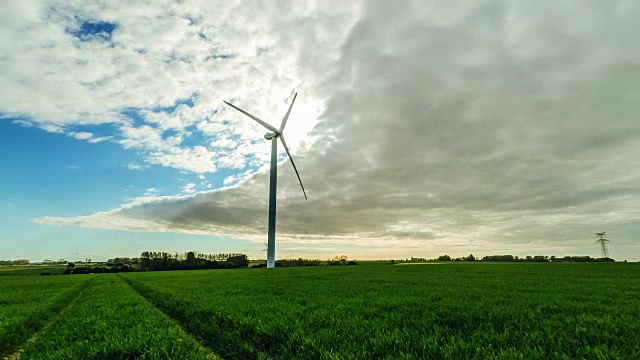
27	303
450	311
29	270
111	321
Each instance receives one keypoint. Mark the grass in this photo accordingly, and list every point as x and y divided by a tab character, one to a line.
30	270
27	302
448	312
111	321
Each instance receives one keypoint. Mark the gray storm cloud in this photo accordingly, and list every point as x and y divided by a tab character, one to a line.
483	123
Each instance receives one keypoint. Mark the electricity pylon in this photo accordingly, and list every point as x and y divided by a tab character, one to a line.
603	244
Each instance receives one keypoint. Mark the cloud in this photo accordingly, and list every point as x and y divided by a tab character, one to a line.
151	192
154	72
23	123
81	135
189	188
487	125
136	166
94	140
52	128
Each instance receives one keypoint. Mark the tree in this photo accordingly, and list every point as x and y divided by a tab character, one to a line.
240	261
470	258
444	258
145	260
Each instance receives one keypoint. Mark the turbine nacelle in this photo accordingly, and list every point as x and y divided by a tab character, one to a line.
275	133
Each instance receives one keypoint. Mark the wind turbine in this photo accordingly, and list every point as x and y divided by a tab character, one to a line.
273	135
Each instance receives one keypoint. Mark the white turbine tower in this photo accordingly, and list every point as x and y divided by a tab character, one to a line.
273	135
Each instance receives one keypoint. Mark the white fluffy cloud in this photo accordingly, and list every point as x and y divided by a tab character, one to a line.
189	188
494	126
82	135
157	72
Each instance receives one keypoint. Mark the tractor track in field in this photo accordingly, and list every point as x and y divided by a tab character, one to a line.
211	354
17	353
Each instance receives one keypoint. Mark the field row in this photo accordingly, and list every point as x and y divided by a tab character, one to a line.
28	302
430	311
107	320
438	311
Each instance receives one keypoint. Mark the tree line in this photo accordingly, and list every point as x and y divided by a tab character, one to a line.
163	261
511	258
158	261
300	262
14	262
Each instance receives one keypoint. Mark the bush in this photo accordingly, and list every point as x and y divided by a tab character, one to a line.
81	270
97	270
240	261
298	262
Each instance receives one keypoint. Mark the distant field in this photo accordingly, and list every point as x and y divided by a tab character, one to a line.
29	270
452	311
16	267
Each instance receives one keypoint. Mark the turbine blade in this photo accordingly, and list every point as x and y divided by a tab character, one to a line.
284	143
254	118
286	116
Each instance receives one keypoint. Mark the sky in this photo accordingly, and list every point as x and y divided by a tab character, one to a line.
421	128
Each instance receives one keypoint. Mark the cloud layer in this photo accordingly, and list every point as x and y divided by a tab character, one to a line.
491	125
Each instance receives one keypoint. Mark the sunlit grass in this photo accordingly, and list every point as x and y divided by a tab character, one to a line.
111	321
452	311
455	311
28	302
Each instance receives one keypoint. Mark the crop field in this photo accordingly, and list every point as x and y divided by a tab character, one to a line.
31	270
111	321
450	311
28	302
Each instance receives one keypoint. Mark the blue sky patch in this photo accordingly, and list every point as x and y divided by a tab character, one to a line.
192	21
93	30
218	56
133	114
98	130
196	138
190	102
175	56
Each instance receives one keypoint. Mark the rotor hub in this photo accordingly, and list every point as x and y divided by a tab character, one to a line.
270	135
